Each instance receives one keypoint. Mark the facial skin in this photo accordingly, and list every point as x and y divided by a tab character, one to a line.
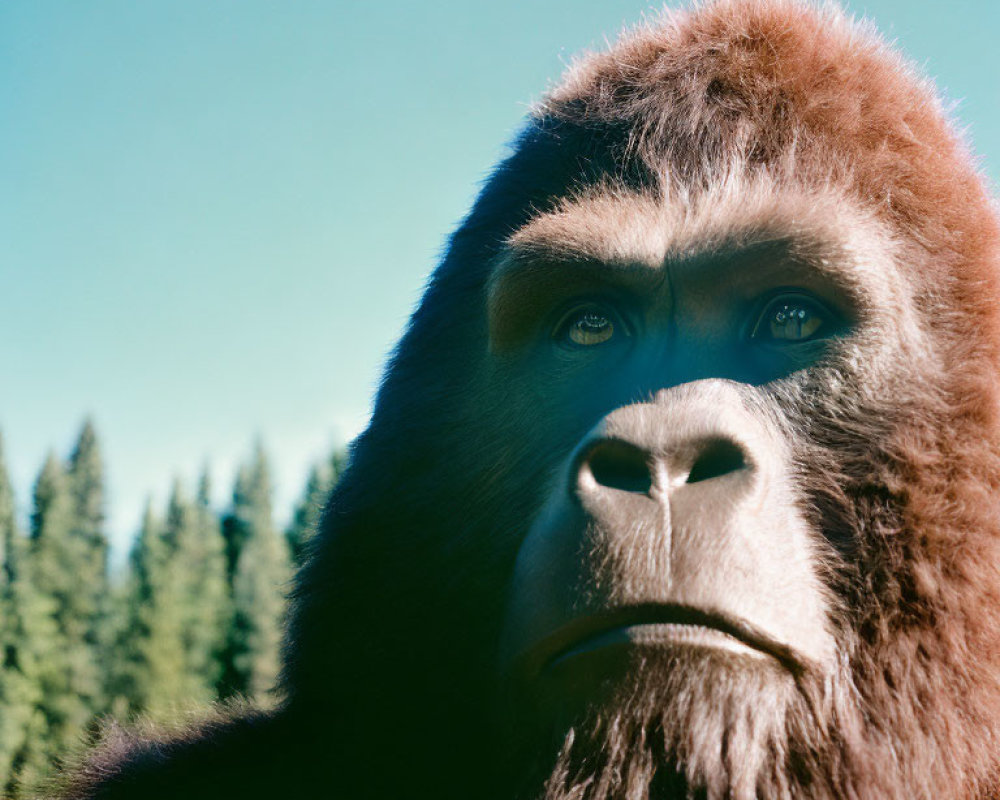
685	473
683	481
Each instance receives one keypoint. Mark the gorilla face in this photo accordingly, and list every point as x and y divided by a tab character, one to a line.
675	521
675	585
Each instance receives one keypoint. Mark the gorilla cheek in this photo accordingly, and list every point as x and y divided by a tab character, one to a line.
672	531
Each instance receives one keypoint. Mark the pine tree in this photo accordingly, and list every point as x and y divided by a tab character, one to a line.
68	671
337	464
24	624
196	553
257	557
208	609
309	510
86	485
305	518
119	672
153	680
177	609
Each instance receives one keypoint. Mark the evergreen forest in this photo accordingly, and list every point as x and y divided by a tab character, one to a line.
195	616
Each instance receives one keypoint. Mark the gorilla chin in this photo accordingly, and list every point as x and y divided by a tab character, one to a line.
658	721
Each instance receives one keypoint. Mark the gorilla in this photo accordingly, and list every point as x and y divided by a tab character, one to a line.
683	481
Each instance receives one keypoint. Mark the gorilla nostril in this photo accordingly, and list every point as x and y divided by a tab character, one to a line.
718	457
619	465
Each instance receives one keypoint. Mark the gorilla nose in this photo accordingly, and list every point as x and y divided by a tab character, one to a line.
695	445
714	459
616	464
622	465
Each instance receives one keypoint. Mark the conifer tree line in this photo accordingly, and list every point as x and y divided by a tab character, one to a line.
194	617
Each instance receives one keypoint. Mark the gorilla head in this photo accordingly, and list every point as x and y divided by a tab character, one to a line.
683	480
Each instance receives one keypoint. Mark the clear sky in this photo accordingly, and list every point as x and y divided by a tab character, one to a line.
216	215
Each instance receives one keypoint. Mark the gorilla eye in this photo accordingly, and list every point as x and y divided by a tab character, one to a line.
586	326
792	318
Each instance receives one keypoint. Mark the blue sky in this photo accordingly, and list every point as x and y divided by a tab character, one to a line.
215	217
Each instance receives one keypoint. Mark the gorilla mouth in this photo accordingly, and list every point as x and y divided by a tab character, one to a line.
657	626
